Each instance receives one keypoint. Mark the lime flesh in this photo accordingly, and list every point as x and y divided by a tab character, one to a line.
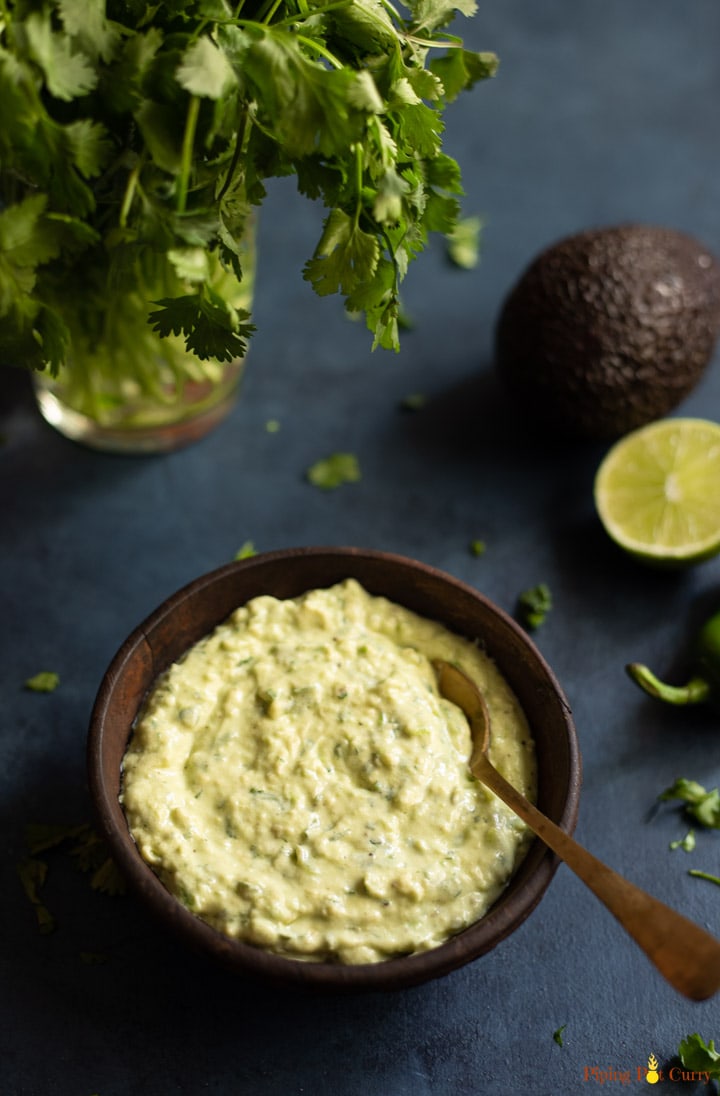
657	491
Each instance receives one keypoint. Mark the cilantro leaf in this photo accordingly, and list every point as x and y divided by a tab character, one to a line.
69	73
85	22
89	853
205	70
211	326
459	69
333	471
686	843
89	145
702	805
414	401
107	878
345	258
431	14
463	244
534	605
33	873
699	1056
306	106
40	836
46	681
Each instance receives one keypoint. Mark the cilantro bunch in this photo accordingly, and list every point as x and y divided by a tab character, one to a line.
137	138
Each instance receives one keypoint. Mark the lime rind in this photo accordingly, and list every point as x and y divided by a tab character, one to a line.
657	492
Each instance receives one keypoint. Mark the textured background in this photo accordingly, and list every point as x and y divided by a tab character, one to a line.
600	114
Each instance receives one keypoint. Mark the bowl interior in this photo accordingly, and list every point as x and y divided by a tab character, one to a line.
197	608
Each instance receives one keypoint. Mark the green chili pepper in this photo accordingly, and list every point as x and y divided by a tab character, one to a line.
704	683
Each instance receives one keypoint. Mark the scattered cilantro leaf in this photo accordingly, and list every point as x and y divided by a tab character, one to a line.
46	681
558	1035
272	426
88	852
702	805
463	243
534	605
415	401
246	550
93	958
477	547
40	837
686	843
33	873
333	471
107	879
699	1056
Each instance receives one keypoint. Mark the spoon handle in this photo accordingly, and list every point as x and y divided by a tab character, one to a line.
685	954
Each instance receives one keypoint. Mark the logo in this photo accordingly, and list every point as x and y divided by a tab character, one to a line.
649	1074
652	1076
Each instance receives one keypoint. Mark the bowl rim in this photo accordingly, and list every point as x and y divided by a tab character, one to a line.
520	897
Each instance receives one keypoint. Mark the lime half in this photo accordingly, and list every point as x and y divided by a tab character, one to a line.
657	491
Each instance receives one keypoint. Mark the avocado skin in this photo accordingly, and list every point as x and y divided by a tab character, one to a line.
609	329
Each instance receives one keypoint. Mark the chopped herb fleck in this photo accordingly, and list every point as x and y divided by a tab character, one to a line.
463	243
272	426
44	682
88	852
558	1035
93	958
700	804
686	843
534	605
246	550
334	470
414	402
33	873
107	878
39	836
477	547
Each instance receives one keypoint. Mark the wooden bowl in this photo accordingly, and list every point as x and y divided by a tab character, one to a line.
197	608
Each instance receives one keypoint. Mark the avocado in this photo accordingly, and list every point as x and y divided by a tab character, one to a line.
609	329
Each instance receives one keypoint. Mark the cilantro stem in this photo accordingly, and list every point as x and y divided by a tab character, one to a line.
187	153
240	142
129	194
704	875
272	11
292	20
358	182
321	50
266	11
432	42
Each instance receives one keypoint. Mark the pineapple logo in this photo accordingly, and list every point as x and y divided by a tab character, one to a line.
652	1076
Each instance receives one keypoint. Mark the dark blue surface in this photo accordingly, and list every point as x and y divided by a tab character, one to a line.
601	113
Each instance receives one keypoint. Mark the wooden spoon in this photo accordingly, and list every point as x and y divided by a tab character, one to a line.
686	955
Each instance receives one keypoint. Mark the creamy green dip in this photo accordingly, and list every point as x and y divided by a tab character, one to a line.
297	781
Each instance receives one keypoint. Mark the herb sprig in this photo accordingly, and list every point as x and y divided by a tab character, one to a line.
138	137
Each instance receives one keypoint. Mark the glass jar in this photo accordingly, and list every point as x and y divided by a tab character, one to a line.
123	387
